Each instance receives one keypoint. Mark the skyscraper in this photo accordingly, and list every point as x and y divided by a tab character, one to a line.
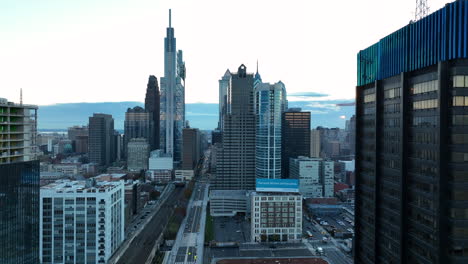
191	148
412	143
270	103
172	112
101	143
315	143
152	106
296	137
79	137
235	168
138	124
224	85
19	184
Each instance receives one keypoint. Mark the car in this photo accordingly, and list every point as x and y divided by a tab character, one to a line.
319	251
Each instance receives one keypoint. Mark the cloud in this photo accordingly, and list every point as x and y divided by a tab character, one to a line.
320	105
200	114
317	112
308	94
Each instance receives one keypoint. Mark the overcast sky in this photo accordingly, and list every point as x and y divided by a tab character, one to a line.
62	51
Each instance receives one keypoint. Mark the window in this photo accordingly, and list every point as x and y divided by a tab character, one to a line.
424	87
459	157
460	101
426	104
459	138
369	98
460	81
460	120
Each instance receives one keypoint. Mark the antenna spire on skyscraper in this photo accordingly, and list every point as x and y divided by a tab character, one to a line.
422	9
170	18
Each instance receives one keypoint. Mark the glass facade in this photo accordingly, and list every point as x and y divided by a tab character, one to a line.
270	101
172	110
19	213
441	36
296	137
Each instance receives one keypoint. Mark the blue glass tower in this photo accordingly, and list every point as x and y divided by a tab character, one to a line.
270	103
172	112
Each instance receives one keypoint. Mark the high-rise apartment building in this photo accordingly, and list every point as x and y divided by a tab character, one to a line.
296	137
270	103
412	143
152	106
191	148
172	112
101	143
81	222
315	143
138	124
19	184
235	165
138	151
316	176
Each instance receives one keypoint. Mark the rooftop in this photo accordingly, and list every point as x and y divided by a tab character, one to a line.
274	261
67	186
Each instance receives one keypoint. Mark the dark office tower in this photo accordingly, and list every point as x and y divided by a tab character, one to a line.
138	124
79	137
235	168
19	184
152	107
191	142
216	137
101	143
295	135
412	143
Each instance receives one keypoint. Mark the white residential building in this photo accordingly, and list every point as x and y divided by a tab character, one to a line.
316	176
80	222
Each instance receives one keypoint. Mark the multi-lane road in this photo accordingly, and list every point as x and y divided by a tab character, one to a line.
188	248
141	246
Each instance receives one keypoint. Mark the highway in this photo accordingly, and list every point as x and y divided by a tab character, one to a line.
189	245
140	248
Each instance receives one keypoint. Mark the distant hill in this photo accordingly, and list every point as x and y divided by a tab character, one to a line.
200	115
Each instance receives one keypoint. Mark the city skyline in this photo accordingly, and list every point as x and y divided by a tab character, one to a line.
53	43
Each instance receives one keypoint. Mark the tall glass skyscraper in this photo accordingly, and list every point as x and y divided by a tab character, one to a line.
19	184
270	103
172	112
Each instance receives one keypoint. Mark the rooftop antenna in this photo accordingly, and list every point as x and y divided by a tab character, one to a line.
257	65
21	96
422	9
170	18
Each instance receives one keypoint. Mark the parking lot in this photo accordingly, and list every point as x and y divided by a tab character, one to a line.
337	222
231	229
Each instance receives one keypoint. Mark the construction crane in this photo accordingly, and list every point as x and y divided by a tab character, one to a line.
422	9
